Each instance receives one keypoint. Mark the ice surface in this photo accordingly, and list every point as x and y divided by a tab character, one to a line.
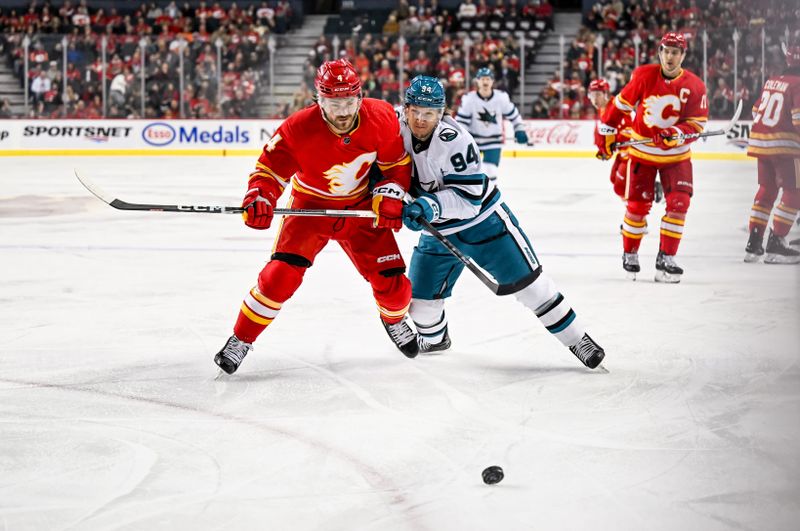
110	417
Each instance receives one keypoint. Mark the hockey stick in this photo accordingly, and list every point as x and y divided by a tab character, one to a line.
205	209
497	288
690	136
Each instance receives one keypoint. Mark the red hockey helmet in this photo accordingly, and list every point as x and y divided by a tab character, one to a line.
337	79
599	84
792	53
674	39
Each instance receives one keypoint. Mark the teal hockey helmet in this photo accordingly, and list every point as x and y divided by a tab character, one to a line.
425	91
484	72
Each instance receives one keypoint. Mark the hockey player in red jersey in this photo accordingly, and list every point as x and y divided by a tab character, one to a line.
775	141
324	153
666	102
599	95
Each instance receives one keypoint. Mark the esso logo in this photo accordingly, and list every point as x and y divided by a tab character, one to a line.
158	134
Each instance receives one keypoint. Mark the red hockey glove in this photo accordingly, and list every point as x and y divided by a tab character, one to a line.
387	203
604	138
258	210
669	138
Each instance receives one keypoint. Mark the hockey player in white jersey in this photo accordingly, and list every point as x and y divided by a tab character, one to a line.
482	112
454	194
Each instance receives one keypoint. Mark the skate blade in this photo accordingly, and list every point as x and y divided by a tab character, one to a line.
751	258
667	278
602	368
630	275
220	375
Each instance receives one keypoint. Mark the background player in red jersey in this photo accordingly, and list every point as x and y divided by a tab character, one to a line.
599	96
775	141
325	151
665	102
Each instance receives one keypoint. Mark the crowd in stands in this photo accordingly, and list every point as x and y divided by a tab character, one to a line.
170	31
433	44
619	23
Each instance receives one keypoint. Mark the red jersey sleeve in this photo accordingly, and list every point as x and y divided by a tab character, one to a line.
624	104
694	113
276	165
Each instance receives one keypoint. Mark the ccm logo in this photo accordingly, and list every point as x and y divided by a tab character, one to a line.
388	258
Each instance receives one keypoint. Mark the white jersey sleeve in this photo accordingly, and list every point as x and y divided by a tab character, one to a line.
510	111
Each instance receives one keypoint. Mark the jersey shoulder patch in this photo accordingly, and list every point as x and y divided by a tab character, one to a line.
448	134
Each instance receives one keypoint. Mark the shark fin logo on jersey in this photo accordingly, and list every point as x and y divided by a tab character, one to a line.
487	117
347	177
448	134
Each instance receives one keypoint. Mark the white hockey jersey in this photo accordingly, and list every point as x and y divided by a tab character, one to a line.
448	166
483	117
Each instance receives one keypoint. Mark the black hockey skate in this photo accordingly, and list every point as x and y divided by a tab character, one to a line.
444	344
230	357
666	269
780	253
754	249
403	337
630	263
589	352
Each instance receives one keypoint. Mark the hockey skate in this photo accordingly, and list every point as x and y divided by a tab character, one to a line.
780	253
658	192
754	249
666	269
230	357
425	347
403	337
589	352
630	263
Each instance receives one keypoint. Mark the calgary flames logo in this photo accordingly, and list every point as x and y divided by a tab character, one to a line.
345	178
661	111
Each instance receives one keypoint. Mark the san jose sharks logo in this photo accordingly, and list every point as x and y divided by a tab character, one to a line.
487	117
345	178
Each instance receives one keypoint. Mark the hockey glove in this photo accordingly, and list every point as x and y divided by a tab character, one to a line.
521	137
669	138
604	138
425	207
387	203
258	210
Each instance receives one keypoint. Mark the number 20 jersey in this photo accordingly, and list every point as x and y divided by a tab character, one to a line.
448	165
776	118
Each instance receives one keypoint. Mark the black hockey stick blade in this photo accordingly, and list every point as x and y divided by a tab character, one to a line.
207	209
497	288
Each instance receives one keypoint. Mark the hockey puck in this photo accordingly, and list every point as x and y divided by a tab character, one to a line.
493	474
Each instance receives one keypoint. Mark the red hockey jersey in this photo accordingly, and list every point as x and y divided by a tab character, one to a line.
333	166
776	118
660	103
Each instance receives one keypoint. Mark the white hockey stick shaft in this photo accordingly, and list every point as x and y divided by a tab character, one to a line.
688	136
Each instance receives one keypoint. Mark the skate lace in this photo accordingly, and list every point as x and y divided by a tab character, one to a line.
235	350
669	260
400	333
583	349
631	258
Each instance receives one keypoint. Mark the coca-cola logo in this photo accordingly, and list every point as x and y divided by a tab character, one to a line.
559	133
